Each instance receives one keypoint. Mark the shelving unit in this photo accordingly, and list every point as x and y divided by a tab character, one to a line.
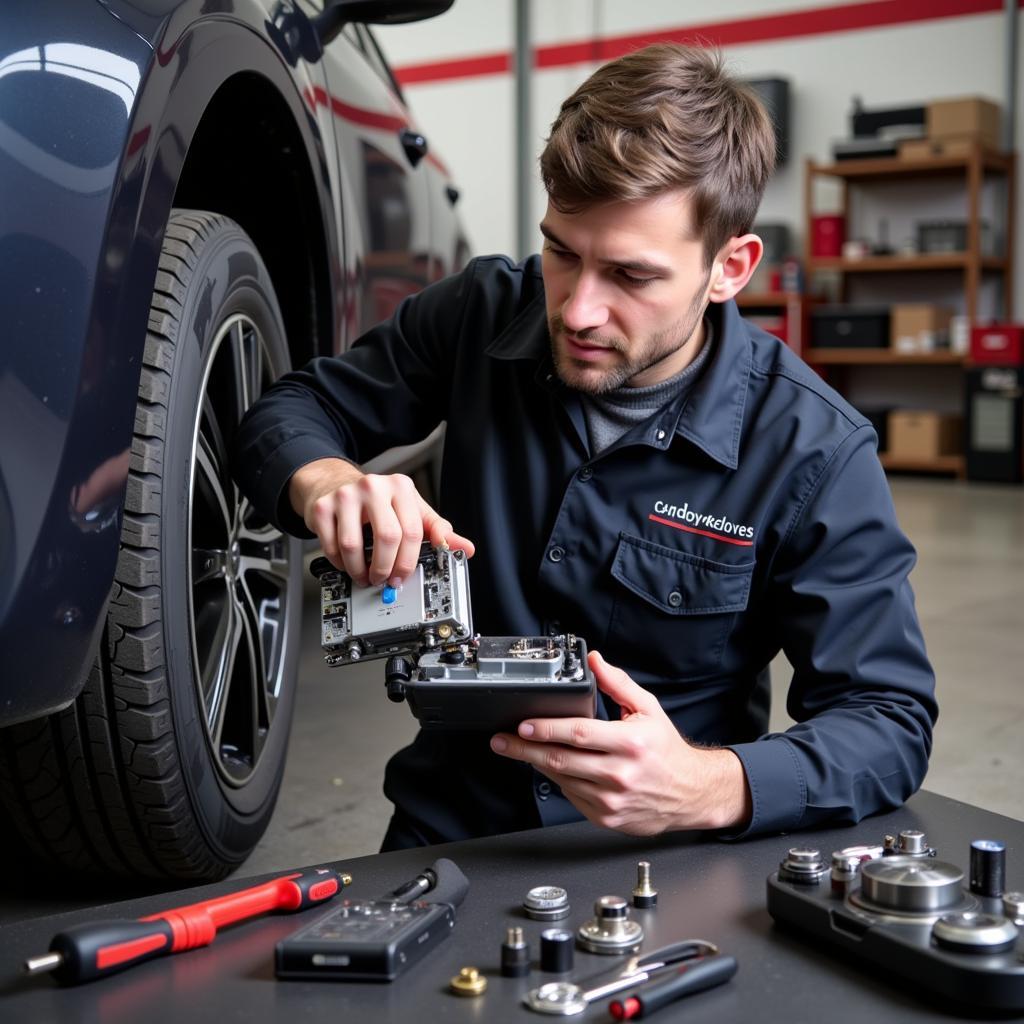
792	306
973	264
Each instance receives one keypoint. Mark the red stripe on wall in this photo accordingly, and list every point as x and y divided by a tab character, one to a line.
760	29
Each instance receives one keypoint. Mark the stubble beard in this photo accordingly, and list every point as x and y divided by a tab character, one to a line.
581	376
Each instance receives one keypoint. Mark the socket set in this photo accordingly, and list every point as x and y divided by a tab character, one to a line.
899	908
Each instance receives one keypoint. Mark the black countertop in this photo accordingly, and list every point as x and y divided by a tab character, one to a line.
707	889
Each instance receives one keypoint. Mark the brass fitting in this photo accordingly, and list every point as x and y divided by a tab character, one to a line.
468	982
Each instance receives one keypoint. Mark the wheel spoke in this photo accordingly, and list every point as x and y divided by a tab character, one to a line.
211	434
247	367
208	483
218	665
261	708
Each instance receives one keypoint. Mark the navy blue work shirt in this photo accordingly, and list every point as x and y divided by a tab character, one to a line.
750	515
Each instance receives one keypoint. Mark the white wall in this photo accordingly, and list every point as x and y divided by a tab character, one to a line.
470	120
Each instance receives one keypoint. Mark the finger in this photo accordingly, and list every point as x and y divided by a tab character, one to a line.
551	759
581	733
326	518
385	525
407	511
440	532
348	512
617	684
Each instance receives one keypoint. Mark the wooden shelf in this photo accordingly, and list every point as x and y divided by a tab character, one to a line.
881	264
954	464
880	357
774	300
893	167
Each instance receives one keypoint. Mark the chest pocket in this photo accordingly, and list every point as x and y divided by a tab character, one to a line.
674	611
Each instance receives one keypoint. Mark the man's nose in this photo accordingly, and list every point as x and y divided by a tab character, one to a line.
585	308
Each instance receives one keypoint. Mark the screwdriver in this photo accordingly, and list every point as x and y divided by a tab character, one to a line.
88	951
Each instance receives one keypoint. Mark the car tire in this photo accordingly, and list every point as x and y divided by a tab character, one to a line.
169	762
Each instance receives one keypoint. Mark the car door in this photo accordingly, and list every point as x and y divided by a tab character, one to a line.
387	227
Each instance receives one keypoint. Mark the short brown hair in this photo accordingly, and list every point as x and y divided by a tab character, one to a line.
662	118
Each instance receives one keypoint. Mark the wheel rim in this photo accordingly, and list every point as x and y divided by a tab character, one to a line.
240	564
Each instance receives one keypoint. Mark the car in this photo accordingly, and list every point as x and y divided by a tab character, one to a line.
197	196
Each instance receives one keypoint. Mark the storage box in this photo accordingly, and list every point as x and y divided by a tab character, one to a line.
850	327
920	328
924	435
960	146
828	232
1002	344
968	116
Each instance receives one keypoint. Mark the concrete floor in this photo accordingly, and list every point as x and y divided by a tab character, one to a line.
970	596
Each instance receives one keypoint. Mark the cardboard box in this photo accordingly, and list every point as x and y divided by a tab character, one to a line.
924	435
919	149
959	146
971	117
919	328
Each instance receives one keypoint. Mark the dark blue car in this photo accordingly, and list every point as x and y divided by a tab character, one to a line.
195	196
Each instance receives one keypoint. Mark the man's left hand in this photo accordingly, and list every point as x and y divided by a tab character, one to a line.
637	775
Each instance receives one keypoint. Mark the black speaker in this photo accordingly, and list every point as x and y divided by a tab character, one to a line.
995	424
774	94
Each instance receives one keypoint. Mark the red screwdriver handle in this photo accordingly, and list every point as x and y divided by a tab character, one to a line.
92	950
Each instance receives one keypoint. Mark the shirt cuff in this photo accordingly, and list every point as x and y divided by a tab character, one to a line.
274	475
778	791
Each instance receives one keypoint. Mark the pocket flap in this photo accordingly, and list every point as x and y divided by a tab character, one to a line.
678	583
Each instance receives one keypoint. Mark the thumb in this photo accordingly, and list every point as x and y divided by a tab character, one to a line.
630	696
437	530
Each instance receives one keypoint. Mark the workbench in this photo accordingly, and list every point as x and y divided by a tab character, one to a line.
707	889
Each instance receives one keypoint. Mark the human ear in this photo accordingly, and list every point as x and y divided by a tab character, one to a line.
736	262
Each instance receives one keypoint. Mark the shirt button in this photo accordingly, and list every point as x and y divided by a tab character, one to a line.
675	599
544	790
586	473
661	435
556	554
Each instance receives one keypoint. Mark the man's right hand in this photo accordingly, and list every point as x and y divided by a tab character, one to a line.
335	498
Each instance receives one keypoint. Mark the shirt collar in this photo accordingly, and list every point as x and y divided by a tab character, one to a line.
712	415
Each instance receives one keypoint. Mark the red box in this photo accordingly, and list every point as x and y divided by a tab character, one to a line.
828	232
998	343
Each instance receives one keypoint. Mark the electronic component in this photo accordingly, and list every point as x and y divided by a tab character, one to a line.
610	931
645	895
556	950
375	940
515	954
451	678
910	914
988	867
361	623
546	903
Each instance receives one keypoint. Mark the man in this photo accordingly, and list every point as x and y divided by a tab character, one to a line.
629	461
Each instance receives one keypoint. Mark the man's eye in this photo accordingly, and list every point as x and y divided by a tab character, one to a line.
636	282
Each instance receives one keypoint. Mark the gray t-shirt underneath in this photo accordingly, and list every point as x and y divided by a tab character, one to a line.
610	415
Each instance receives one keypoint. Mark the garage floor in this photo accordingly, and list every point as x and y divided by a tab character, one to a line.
970	594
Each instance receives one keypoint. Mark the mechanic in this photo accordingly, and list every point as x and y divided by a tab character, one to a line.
632	462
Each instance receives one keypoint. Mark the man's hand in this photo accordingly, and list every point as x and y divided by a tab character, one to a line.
637	775
335	499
